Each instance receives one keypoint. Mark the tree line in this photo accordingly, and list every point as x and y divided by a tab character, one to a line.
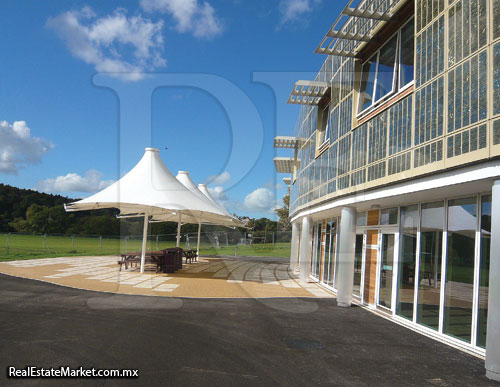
29	211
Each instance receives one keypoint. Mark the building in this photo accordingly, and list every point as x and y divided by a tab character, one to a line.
395	168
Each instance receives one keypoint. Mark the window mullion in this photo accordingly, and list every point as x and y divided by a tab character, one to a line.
396	64
376	79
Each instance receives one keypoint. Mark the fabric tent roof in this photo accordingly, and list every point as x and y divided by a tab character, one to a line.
149	188
223	218
204	190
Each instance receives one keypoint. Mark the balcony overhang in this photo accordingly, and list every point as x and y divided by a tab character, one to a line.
287	180
357	25
287	142
285	164
307	92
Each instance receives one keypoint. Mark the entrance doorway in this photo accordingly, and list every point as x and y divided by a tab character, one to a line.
387	248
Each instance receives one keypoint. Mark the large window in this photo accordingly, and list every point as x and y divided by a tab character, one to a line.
484	270
316	259
431	249
407	259
323	133
328	263
459	286
389	69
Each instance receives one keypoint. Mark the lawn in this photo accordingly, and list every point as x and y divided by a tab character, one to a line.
17	246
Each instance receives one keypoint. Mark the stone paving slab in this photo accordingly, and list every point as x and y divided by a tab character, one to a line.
209	278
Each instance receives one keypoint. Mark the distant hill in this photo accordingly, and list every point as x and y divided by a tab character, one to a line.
15	201
30	211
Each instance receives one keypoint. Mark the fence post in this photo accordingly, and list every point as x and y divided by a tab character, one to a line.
72	243
8	243
45	241
273	238
100	243
227	241
235	250
157	243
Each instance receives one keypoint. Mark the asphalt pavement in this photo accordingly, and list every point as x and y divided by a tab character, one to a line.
217	342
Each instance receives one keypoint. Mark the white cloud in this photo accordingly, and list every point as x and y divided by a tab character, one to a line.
103	42
272	185
224	177
291	10
191	16
218	193
18	148
72	182
260	200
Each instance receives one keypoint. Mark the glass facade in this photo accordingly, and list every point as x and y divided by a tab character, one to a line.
433	257
420	106
451	45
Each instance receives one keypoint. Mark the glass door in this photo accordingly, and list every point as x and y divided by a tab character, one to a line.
316	252
387	242
358	265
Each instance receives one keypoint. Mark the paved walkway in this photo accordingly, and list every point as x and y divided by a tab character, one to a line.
217	342
209	278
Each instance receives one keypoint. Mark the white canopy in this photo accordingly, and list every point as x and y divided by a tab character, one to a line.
222	218
204	190
149	188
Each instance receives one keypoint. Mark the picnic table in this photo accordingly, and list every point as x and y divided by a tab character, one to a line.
167	260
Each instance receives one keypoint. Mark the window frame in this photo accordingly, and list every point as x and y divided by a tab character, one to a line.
395	73
396	78
326	129
324	143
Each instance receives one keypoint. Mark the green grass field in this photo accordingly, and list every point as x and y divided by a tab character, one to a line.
16	246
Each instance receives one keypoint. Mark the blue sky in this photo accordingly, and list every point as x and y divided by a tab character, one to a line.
86	85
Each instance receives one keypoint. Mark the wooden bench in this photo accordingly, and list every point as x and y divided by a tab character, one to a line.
135	258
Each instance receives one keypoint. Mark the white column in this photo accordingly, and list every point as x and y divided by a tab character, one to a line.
305	249
492	362
178	243
144	242
347	239
198	243
294	255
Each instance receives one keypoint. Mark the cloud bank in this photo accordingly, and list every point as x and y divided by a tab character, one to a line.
260	200
191	16
18	148
292	10
72	182
125	45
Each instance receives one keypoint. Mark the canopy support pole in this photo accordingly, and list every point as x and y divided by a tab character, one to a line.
198	244
144	242
179	231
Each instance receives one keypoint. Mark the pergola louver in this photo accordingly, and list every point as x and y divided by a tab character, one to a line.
356	26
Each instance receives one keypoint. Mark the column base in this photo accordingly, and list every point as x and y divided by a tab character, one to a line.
344	304
493	375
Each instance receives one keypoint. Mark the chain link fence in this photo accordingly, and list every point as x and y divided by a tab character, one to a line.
219	243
